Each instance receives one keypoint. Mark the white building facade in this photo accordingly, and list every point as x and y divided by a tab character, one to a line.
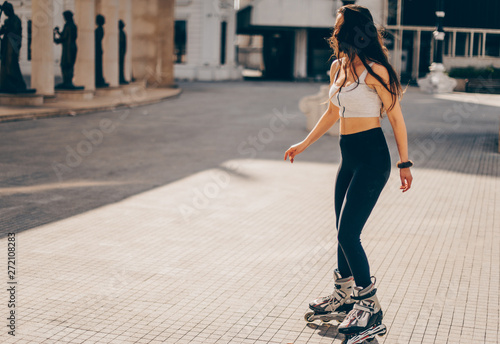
205	40
294	32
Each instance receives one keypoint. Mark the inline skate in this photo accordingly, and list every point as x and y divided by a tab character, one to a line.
364	321
334	306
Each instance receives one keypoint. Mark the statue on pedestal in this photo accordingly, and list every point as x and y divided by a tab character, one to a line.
69	49
99	35
123	51
11	79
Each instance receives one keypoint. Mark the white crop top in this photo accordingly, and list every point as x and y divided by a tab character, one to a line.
356	100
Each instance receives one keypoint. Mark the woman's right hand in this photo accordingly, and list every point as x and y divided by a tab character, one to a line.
294	150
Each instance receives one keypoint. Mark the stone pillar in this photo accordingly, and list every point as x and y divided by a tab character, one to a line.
42	47
300	64
125	14
109	9
165	29
144	39
153	41
84	66
231	40
210	34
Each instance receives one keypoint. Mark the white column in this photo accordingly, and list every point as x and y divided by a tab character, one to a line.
85	57
210	34
483	49
69	5
23	56
231	39
416	53
301	54
109	9
42	61
125	14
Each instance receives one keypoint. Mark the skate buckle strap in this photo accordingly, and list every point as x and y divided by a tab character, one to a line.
363	308
337	296
367	296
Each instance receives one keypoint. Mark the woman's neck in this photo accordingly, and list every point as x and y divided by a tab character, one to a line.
354	63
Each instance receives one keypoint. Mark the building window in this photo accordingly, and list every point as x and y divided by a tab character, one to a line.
462	44
492	45
180	38
392	12
223	42
29	40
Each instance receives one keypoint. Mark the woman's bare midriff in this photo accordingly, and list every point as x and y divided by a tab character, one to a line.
354	125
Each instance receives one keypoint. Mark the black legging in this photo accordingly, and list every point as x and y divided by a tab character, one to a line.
364	170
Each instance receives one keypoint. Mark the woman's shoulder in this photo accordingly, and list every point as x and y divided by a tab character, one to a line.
378	69
337	62
334	68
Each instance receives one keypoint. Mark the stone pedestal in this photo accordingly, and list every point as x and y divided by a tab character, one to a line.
109	9
84	66
134	87
21	99
42	47
75	94
109	92
436	81
314	107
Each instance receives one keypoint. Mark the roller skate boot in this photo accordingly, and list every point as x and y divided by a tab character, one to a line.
334	306
364	321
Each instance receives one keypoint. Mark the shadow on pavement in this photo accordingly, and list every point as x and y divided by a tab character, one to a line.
56	168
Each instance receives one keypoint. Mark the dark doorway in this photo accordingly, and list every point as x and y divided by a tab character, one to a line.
407	56
319	53
180	38
223	42
278	53
425	53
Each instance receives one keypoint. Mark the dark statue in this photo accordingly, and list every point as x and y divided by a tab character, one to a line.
123	51
11	79
68	58
99	35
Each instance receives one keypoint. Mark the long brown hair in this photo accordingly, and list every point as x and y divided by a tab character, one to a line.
354	34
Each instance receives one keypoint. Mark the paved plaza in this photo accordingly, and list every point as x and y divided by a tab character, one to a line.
183	224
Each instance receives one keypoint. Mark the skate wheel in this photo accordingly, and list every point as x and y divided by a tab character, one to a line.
382	333
346	339
308	317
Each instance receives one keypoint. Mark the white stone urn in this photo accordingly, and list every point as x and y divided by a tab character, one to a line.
437	81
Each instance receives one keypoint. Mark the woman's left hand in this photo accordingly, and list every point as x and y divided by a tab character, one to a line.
406	178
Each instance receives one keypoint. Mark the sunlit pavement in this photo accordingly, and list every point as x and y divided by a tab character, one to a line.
233	252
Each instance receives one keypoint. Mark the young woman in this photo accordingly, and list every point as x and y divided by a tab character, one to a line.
363	87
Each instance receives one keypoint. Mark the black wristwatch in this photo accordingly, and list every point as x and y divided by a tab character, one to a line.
405	164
